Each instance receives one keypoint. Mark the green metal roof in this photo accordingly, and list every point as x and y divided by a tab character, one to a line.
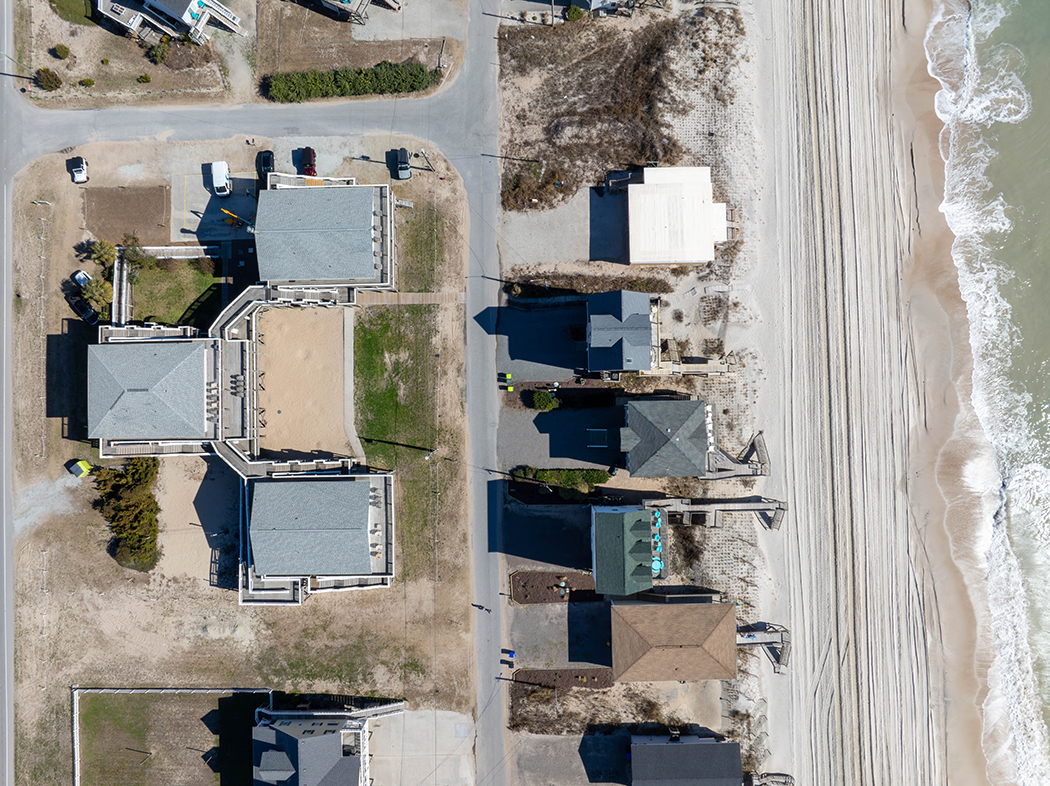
623	556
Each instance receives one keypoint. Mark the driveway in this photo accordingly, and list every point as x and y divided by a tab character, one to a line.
564	438
560	635
574	760
196	213
422	748
543	343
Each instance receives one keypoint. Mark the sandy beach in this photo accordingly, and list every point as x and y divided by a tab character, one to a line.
866	406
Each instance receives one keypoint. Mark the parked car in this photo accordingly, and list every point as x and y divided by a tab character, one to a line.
404	168
82	278
80	469
84	310
264	164
220	179
309	162
78	168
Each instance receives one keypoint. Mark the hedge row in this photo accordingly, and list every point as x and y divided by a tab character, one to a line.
384	78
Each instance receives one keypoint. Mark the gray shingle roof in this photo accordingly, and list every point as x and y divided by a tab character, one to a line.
303	752
686	764
310	527
619	333
622	550
316	234
147	390
665	439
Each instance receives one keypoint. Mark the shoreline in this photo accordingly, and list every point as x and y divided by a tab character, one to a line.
948	514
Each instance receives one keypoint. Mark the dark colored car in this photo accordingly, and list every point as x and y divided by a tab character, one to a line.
84	310
264	164
404	168
309	162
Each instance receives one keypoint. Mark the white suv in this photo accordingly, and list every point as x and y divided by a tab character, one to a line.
78	169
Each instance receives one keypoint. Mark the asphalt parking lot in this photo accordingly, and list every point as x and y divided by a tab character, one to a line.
196	213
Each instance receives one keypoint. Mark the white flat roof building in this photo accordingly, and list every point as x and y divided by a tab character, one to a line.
673	218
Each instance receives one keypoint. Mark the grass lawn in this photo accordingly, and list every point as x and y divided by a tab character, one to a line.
183	296
75	11
422	249
395	372
113	729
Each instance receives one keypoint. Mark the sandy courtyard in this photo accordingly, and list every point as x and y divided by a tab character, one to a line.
302	395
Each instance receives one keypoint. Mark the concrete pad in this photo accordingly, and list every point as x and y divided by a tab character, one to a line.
559	635
417	19
422	748
196	213
575	760
587	227
559	439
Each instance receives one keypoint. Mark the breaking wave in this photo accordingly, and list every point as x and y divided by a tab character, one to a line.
981	86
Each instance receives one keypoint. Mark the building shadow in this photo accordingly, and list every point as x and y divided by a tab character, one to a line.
589	435
608	226
560	538
202	311
541	342
590	633
66	376
604	752
220	486
236	721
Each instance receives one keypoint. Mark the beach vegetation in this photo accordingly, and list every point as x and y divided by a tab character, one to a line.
103	253
61	51
48	79
575	13
86	82
159	52
382	79
143	79
126	500
99	294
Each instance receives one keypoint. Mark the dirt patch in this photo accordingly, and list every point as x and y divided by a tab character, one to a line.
114	62
111	213
563	679
189	56
538	586
534	708
291	37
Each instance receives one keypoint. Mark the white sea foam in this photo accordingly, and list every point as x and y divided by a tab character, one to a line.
981	85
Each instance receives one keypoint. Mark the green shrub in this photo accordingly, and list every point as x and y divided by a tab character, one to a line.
544	401
48	79
203	265
86	82
105	61
61	51
103	253
135	256
575	13
126	501
382	79
144	78
159	52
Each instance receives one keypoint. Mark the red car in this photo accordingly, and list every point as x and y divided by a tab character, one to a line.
309	162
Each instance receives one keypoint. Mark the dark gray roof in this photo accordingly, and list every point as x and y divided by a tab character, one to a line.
665	438
623	553
310	527
303	752
316	234
147	390
686	763
619	333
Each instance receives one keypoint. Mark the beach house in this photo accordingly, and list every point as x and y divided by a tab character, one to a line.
684	760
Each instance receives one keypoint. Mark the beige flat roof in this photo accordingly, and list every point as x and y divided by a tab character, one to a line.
673	218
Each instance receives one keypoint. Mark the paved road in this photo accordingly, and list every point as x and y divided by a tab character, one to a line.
462	123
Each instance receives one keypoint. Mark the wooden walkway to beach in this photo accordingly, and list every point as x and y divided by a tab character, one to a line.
371	297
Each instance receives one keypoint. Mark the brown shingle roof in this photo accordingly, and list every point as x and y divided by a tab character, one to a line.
673	641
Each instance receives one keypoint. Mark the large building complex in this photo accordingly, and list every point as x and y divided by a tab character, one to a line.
155	390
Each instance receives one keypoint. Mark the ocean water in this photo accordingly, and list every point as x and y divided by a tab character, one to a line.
992	58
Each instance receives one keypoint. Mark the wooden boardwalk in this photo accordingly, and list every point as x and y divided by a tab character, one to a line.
372	297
